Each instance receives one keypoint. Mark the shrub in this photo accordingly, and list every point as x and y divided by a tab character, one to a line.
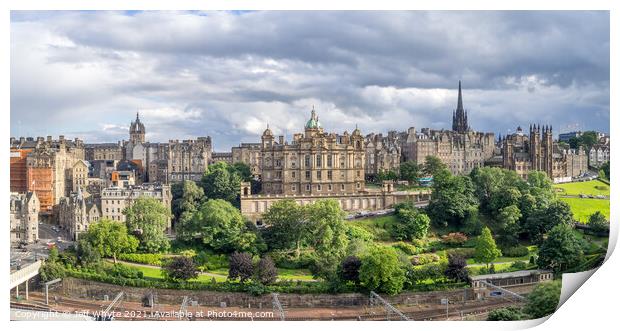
180	268
356	232
287	260
121	270
145	258
506	314
426	258
241	266
454	238
518	265
209	261
266	272
466	253
515	251
406	248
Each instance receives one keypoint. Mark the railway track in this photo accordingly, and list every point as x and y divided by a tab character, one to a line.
64	304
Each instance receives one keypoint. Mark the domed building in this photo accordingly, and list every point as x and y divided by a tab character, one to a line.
315	162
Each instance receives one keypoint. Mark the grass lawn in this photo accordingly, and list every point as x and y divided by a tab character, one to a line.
155	273
583	208
221	274
379	226
284	274
592	187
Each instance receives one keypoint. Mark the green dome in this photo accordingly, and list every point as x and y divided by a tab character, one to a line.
313	122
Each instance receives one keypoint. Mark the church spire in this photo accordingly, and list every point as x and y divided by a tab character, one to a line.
459	119
459	105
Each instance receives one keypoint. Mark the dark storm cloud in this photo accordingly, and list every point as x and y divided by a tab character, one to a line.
227	74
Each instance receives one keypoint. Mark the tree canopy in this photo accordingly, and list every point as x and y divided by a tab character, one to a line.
543	300
486	250
381	270
221	181
147	219
220	226
561	250
106	238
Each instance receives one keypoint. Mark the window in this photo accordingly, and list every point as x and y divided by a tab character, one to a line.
318	175
318	187
293	187
342	187
359	185
307	187
319	158
307	174
307	161
329	161
329	187
329	174
293	174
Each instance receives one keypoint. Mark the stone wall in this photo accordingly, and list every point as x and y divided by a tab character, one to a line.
86	289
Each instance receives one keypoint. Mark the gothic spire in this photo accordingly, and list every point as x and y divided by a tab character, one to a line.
459	105
459	120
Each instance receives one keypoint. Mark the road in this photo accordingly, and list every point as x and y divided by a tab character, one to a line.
32	252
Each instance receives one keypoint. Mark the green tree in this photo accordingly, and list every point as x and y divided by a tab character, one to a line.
506	314
433	165
220	226
543	300
486	250
561	250
410	171
327	234
452	199
187	200
180	268
287	225
508	219
243	170
87	253
412	224
544	219
598	223
381	270
541	186
108	239
148	219
221	182
605	168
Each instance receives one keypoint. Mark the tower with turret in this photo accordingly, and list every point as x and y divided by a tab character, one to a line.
136	131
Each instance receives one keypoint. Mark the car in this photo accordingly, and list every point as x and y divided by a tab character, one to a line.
496	294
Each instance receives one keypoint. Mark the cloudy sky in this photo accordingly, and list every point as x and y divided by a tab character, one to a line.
228	74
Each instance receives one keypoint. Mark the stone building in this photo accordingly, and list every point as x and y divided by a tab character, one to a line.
254	205
314	162
104	151
461	148
383	153
538	152
115	199
174	161
598	155
47	164
225	157
77	177
24	217
250	154
76	212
